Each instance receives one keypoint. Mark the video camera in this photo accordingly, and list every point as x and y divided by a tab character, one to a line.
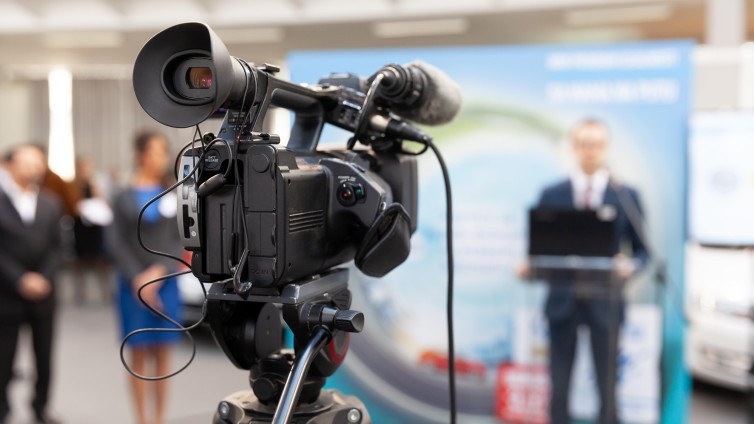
268	223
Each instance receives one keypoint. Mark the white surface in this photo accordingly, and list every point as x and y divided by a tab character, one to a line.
721	178
95	211
719	284
190	290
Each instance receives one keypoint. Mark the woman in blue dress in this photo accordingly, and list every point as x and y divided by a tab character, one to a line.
149	352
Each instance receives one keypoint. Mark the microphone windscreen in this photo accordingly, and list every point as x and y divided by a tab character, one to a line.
440	101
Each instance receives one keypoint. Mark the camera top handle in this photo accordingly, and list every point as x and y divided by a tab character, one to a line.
184	74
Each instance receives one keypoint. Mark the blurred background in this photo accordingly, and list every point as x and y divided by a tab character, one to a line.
65	84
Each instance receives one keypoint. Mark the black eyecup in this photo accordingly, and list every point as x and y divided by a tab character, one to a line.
160	55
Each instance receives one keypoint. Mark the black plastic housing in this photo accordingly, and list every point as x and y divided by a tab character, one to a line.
295	210
295	224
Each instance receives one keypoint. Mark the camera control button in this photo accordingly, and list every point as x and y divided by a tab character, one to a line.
358	191
193	202
346	195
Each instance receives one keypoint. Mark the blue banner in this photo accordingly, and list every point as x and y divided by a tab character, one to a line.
508	142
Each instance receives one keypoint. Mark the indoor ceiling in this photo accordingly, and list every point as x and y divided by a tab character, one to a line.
83	33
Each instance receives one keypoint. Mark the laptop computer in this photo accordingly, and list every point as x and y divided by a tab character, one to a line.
571	232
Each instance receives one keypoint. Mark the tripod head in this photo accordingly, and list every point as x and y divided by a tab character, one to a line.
250	333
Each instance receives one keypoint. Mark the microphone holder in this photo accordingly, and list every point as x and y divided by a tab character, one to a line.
367	109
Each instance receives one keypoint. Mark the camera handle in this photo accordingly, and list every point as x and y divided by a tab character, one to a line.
296	378
324	319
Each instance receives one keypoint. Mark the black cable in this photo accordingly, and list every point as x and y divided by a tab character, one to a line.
636	221
242	288
179	328
180	155
192	143
193	158
238	197
449	241
160	196
427	142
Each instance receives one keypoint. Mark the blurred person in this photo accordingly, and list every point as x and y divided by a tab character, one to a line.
92	215
137	267
601	309
29	258
56	185
64	191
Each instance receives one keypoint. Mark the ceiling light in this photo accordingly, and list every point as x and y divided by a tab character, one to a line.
422	28
251	35
83	40
618	15
61	152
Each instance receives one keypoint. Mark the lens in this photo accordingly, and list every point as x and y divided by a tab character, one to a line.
199	78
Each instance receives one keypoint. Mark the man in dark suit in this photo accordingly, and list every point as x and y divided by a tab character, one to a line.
591	298
29	253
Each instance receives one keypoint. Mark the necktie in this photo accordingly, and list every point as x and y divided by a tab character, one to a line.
587	203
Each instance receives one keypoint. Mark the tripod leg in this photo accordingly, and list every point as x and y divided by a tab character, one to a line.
295	381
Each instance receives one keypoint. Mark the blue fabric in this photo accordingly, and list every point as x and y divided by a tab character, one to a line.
145	194
134	315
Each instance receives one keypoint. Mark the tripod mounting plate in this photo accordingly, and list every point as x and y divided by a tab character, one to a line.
332	407
316	287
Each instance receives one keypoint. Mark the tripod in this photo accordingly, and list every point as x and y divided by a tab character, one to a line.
286	386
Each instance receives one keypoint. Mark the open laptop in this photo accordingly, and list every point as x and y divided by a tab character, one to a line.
571	232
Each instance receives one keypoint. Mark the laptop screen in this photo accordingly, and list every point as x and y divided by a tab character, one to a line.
570	232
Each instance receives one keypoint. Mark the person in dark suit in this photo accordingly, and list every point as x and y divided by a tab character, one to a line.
29	258
591	298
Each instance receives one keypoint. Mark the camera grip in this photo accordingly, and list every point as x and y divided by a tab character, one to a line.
387	242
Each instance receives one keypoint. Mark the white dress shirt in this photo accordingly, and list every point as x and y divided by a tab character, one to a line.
25	201
589	190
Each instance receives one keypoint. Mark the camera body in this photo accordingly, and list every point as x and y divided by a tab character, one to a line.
304	212
260	214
